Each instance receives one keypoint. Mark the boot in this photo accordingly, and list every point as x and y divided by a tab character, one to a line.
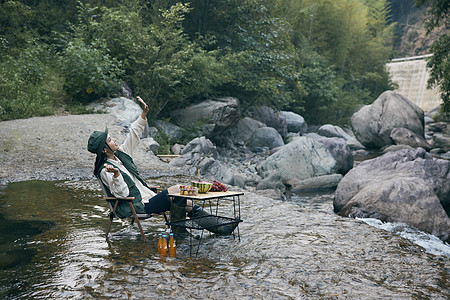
209	222
178	213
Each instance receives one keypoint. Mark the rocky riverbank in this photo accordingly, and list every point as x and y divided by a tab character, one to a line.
54	148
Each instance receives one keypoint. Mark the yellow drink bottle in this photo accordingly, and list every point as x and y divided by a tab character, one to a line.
164	245
172	246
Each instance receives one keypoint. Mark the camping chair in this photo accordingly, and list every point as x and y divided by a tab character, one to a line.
114	201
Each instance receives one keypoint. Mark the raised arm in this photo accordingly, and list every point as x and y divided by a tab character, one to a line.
136	129
144	108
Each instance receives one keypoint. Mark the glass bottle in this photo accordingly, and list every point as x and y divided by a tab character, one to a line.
172	246
164	245
160	242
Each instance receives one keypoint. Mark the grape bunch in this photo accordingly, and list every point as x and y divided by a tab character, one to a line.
218	187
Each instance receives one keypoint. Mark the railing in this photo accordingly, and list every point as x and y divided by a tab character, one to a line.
411	58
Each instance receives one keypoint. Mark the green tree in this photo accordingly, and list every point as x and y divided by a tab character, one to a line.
439	15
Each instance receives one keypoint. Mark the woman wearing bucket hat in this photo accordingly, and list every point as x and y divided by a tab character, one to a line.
115	167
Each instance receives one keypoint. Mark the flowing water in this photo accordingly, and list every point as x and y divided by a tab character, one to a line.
53	247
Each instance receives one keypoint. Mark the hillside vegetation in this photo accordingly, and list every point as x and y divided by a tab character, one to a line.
321	59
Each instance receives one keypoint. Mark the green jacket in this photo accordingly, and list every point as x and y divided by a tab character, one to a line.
123	208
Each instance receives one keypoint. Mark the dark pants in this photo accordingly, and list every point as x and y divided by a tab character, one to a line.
158	203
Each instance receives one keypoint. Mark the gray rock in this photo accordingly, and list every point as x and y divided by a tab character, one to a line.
404	136
408	186
218	115
393	148
241	133
124	109
303	158
177	148
428	120
340	152
149	144
171	130
201	154
265	137
441	141
239	180
329	130
372	124
294	122
273	181
271	118
315	183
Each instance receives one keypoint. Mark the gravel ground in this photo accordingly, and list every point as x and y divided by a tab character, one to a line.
55	148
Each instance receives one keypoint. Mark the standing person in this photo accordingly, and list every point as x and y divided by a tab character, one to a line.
115	167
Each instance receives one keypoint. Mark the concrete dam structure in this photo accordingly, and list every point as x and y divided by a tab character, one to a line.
411	74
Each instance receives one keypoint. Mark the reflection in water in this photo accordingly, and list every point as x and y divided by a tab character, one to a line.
288	250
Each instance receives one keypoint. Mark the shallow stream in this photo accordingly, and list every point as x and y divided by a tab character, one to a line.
53	247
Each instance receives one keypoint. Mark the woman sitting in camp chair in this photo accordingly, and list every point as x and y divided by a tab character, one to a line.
115	167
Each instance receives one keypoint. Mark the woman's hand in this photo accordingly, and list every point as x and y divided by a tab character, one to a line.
144	107
111	169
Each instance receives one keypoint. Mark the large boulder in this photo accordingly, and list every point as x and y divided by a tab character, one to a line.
329	130
124	109
271	118
373	123
407	186
241	133
218	115
265	137
302	158
340	152
295	122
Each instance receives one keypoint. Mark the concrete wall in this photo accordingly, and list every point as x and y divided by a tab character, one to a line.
411	74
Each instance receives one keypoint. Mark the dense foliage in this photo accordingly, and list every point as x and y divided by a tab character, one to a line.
319	58
439	15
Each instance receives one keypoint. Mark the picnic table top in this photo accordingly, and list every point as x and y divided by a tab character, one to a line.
209	195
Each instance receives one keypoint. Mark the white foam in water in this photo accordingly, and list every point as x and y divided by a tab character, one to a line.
429	242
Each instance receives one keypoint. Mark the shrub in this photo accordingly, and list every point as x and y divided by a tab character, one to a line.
90	73
26	86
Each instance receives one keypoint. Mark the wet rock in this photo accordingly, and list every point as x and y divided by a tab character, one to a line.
315	183
406	186
273	181
373	123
